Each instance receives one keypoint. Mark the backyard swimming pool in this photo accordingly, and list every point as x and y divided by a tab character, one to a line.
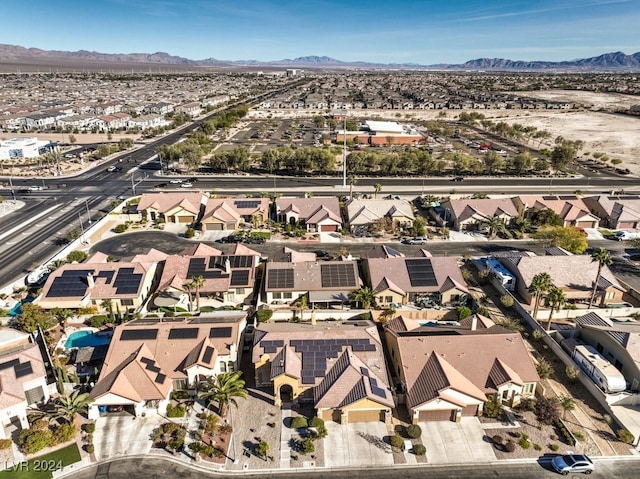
84	338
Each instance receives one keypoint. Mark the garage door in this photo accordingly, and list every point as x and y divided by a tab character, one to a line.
364	416
441	415
213	226
329	228
185	219
470	410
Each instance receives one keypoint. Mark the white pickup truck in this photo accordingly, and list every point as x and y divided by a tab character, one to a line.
626	235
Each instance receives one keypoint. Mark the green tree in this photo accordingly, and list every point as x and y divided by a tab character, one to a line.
198	283
603	257
61	315
570	238
494	226
540	284
493	162
545	217
556	300
522	163
224	390
563	155
567	403
189	288
419	226
351	180
33	316
365	297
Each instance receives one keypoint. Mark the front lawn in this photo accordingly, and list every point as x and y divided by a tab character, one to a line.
41	467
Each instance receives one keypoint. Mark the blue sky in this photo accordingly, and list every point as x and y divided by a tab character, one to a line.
418	31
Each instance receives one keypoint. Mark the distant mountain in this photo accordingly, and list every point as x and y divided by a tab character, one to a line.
10	54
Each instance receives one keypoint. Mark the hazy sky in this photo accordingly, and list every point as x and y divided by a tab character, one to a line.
402	31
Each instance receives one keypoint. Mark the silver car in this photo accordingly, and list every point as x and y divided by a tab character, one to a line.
572	463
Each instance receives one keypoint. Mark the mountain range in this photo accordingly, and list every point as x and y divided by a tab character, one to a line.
15	54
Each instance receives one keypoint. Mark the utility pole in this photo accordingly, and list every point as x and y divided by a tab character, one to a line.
13	192
344	153
88	214
82	239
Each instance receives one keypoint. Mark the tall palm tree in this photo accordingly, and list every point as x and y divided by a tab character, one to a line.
303	304
363	296
224	389
494	226
603	257
377	188
540	284
352	180
189	288
68	407
556	299
198	282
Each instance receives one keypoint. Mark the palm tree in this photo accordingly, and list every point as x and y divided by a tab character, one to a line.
198	282
303	303
189	287
377	188
603	257
540	284
224	390
352	180
364	296
494	226
68	407
567	403
62	315
556	299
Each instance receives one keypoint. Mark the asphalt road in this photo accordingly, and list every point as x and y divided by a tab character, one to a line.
158	468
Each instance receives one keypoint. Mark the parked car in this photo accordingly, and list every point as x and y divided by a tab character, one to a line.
416	240
320	253
193	180
570	463
457	178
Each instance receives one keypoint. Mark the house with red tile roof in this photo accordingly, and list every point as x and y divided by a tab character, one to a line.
616	211
23	379
318	214
571	209
449	371
178	207
231	213
472	213
339	367
149	359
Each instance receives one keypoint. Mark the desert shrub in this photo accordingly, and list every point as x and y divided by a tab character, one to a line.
572	373
463	312
225	429
544	369
121	228
497	439
537	335
306	446
419	450
510	446
64	433
97	321
320	432
528	404
76	257
564	432
35	441
264	315
176	444
5	443
492	407
397	441
262	448
176	411
537	447
91	448
625	436
316	422
578	435
195	447
414	431
208	451
524	442
546	410
554	447
180	394
190	233
208	422
506	300
40	425
88	438
298	422
90	428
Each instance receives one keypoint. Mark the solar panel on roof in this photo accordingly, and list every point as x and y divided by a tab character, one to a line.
127	282
138	334
338	275
220	332
71	283
246	203
240	261
421	272
9	364
197	267
23	369
280	279
183	333
239	277
549	197
107	275
160	378
568	197
208	354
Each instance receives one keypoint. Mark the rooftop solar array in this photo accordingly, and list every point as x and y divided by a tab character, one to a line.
373	384
107	275
127	282
197	267
246	203
235	261
9	364
338	275
421	272
240	277
208	354
20	369
220	332
138	334
568	197
280	279
271	347
183	333
549	197
151	366
71	283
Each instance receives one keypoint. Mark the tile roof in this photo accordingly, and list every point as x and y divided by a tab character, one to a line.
11	384
364	212
570	210
308	207
165	202
307	276
464	209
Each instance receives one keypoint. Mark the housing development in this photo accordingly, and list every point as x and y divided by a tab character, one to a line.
315	271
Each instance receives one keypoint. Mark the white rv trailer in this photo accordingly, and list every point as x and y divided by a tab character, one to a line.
606	376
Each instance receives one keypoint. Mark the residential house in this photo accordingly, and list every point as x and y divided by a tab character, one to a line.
339	367
149	359
185	208
23	379
571	209
107	285
221	214
114	121
364	214
574	274
472	214
616	212
191	108
448	371
429	281
144	122
324	283
318	214
228	278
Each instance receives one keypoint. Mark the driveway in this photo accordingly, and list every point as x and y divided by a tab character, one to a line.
124	435
358	444
449	442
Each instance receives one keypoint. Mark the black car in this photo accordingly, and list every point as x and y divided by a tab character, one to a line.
320	253
161	185
192	180
457	178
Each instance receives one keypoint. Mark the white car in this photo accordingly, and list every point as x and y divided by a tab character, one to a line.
35	188
186	185
176	181
571	463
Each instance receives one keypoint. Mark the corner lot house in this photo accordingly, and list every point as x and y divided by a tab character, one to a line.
569	208
427	280
23	379
148	360
616	212
471	214
231	213
450	371
318	214
362	214
338	366
97	282
178	207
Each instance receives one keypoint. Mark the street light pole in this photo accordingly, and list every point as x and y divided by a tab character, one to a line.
88	214
344	153
81	227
